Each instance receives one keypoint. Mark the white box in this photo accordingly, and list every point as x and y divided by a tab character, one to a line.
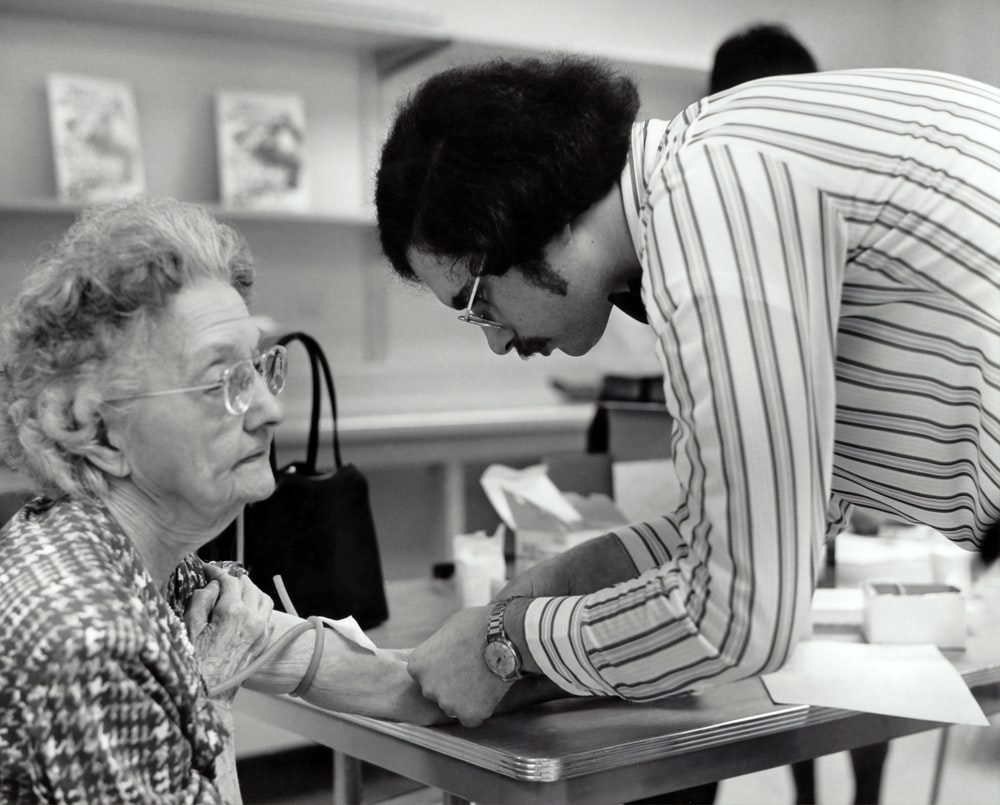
914	613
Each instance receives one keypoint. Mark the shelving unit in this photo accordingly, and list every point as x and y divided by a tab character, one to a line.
321	270
350	60
393	43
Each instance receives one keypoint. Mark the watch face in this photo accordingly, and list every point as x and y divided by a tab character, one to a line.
501	658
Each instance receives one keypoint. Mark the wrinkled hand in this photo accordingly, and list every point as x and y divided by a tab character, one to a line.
401	696
450	670
229	623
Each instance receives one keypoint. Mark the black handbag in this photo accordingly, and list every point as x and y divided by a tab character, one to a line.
316	530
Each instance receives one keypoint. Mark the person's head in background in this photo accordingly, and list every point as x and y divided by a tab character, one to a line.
757	52
137	299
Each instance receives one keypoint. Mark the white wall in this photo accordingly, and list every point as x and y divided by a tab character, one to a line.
682	32
957	36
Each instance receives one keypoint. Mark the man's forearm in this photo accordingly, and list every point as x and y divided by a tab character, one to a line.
591	566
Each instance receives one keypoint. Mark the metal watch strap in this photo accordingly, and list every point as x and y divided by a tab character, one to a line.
495	628
499	648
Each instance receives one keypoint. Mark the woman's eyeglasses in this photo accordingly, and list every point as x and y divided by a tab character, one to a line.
474	318
237	381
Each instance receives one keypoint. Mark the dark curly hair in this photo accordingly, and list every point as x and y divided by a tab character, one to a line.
486	163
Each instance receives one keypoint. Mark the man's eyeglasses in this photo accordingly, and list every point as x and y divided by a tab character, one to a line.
237	381
474	318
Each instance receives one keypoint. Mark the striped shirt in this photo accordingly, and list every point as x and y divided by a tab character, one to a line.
821	267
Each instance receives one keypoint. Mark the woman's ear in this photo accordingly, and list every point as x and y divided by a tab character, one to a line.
100	443
103	453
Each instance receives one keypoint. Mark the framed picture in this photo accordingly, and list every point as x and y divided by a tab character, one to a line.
261	144
95	138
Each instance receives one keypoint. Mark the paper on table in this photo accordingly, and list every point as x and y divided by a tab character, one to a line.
912	681
532	484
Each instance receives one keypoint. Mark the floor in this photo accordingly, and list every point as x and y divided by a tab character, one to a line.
971	777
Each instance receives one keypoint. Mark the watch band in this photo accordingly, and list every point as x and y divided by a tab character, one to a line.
500	654
495	628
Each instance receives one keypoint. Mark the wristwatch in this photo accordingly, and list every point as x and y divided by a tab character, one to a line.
501	656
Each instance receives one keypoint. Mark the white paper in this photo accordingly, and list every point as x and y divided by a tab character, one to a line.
349	628
532	484
911	681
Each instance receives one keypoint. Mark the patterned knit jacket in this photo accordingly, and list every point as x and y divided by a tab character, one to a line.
101	699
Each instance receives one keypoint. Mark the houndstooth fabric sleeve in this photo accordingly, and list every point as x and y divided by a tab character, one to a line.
101	699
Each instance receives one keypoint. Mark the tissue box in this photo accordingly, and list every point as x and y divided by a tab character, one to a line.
914	613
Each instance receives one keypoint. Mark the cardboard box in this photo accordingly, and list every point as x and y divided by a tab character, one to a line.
636	430
914	613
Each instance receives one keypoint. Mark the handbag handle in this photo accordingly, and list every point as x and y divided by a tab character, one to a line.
317	361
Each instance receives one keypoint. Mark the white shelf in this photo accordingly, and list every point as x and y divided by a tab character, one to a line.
50	207
359	25
397	33
661	66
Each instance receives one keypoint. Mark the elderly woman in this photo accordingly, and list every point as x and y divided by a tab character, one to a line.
134	392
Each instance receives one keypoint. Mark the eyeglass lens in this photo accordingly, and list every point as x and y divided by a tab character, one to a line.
240	378
474	318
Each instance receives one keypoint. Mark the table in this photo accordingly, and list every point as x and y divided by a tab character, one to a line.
599	751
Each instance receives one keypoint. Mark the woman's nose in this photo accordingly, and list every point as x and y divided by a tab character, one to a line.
265	407
500	339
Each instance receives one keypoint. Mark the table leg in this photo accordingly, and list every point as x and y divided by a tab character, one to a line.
348	787
454	499
942	752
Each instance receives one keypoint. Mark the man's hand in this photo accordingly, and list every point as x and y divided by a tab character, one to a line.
450	669
229	623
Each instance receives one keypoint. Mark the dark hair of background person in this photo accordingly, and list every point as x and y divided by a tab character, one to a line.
487	163
757	52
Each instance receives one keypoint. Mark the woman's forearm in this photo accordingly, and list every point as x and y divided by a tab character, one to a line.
350	678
